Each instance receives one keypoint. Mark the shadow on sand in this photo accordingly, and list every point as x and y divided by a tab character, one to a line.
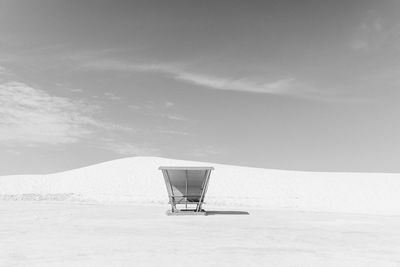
227	212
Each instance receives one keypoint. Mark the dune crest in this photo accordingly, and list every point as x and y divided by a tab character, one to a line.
138	180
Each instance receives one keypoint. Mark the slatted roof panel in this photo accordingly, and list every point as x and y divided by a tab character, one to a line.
192	168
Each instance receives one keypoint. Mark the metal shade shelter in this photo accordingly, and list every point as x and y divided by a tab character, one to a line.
186	187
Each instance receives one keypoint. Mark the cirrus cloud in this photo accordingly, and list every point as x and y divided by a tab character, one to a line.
32	116
284	86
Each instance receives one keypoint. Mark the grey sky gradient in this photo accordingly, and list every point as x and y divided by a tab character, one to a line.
306	85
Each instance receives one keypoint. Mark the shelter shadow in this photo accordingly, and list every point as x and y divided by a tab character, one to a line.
227	212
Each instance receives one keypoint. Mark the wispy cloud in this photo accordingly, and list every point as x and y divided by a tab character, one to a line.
285	86
111	96
174	132
157	110
374	34
169	104
175	117
76	90
32	116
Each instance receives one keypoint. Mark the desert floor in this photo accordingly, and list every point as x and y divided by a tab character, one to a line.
81	234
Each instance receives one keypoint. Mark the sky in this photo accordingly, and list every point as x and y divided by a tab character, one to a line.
298	85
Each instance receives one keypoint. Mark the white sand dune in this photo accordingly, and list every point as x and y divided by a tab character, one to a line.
138	180
294	218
